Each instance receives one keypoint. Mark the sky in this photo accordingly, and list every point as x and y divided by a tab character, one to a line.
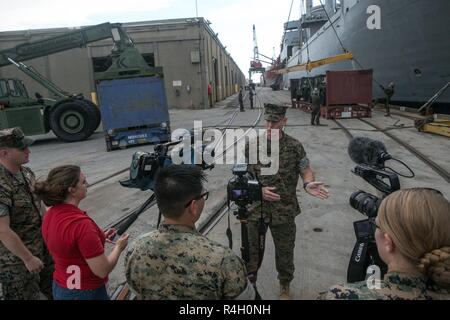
232	19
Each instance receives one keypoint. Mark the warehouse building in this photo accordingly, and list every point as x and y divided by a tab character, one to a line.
189	51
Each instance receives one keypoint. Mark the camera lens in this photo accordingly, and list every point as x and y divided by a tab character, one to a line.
365	203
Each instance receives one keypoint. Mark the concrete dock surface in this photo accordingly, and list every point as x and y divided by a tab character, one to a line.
325	236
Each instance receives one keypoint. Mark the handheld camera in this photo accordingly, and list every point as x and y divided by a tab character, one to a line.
242	189
370	156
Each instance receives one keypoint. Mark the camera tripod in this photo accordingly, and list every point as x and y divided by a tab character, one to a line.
242	215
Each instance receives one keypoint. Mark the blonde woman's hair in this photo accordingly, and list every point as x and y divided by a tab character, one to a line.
418	220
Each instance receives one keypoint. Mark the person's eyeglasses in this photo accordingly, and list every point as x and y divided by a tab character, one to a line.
203	195
374	224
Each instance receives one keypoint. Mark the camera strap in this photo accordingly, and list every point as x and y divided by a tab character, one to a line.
262	229
228	232
358	264
159	219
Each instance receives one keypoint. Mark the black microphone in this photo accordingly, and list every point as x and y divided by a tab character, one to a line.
363	150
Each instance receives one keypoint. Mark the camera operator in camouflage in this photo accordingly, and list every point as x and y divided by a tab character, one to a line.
25	266
176	261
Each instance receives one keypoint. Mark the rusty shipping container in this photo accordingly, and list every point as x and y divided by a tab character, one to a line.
349	87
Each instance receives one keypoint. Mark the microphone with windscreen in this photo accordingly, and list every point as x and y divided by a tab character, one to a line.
370	156
364	150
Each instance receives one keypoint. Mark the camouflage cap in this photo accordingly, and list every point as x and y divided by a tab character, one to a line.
274	112
14	138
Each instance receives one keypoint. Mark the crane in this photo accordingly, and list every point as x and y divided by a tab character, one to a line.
255	64
255	46
71	117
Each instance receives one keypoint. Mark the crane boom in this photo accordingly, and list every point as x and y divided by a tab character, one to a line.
255	45
35	75
74	39
317	63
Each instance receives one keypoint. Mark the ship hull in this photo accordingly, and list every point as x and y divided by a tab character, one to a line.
412	49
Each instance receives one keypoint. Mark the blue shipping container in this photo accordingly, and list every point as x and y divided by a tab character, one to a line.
133	108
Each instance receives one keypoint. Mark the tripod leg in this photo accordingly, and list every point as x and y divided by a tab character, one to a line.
245	252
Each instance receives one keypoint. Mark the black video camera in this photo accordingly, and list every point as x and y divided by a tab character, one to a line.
365	252
243	189
367	203
145	165
370	156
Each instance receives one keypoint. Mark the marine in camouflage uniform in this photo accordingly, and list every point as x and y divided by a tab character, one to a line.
315	114
280	215
251	93
389	92
24	211
177	262
241	99
395	286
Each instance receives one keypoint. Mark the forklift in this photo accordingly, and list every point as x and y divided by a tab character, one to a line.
132	100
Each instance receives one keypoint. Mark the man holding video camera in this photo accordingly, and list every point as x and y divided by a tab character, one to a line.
280	205
176	261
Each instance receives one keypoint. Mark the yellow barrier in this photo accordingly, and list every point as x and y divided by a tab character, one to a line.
94	97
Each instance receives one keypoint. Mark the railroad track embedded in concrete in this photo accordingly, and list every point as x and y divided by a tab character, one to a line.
108	177
430	163
122	292
147	205
346	131
433	165
213	219
407	116
229	121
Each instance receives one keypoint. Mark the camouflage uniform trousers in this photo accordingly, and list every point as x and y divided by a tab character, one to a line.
284	240
388	105
20	284
315	115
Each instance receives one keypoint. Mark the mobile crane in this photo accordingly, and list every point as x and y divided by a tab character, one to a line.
71	117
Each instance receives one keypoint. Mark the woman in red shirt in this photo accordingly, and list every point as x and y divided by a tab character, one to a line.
74	240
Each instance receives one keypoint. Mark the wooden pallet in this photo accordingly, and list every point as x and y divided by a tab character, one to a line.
440	127
346	112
